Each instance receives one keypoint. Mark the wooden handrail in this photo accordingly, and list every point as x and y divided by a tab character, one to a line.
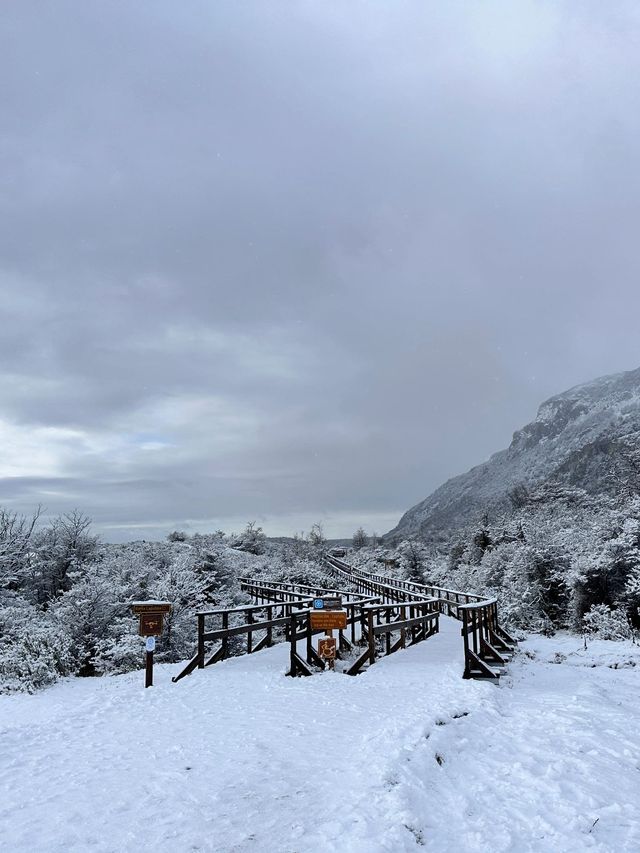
485	641
244	608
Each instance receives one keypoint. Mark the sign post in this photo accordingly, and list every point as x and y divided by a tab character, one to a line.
327	615
151	615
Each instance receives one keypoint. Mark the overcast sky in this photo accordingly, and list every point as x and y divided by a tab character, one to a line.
299	261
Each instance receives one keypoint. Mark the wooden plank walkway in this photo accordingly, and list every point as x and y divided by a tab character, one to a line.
487	646
384	615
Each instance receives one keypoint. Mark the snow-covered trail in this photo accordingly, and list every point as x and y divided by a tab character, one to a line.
233	758
407	755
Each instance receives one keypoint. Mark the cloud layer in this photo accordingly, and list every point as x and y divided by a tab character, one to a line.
291	262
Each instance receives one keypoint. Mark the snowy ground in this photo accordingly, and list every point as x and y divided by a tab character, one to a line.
407	756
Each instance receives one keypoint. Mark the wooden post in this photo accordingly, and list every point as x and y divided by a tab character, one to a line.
309	640
225	639
387	636
148	676
474	630
249	633
465	635
270	629
200	640
292	638
372	639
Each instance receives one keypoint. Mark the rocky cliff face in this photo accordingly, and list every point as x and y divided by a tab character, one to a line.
586	438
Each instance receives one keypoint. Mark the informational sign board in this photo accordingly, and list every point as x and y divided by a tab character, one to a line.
150	624
327	648
328	620
151	615
328	603
150	645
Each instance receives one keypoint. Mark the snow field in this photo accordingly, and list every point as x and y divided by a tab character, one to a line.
407	756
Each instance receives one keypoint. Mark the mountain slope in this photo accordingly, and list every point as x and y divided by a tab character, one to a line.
584	438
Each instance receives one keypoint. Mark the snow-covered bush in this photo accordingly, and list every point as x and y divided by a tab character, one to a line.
88	611
607	624
121	650
632	597
35	649
252	539
188	590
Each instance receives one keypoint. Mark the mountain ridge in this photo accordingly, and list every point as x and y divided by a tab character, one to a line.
577	439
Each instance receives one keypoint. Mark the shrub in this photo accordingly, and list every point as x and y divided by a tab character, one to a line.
607	624
35	650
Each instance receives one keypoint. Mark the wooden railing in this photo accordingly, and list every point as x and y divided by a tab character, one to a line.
249	619
272	587
485	641
412	620
384	614
352	602
451	597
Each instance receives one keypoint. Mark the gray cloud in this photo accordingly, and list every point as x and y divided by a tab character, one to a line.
303	261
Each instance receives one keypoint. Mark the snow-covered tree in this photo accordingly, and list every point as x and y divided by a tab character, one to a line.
412	555
252	539
360	538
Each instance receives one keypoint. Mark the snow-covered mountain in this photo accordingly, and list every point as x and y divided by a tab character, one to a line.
586	437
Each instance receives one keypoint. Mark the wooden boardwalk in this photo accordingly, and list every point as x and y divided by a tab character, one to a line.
487	646
384	615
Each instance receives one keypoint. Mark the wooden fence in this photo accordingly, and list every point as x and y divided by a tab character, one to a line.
414	621
486	643
249	619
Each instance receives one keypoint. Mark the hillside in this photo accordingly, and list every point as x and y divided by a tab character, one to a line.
584	438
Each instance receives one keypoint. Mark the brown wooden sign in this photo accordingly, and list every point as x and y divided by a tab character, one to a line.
151	615
150	624
327	648
327	620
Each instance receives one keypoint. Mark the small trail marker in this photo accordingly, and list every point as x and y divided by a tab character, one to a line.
151	615
327	648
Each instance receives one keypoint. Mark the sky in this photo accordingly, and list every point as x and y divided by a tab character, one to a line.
303	261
